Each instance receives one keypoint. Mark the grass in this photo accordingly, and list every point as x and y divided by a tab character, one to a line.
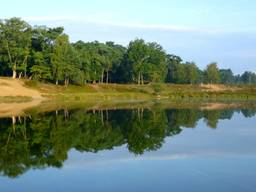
15	99
92	92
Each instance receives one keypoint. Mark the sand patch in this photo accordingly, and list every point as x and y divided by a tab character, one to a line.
16	87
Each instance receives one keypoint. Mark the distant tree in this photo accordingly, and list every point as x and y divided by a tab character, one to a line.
226	76
192	74
137	55
212	73
155	69
148	61
248	78
64	60
173	63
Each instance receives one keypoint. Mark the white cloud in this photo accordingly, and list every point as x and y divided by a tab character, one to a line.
107	20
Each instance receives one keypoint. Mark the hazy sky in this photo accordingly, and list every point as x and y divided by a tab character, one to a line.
197	30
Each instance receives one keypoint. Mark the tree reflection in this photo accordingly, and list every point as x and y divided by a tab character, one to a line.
44	140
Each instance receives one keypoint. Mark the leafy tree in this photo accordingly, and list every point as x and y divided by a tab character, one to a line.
173	63
192	73
15	41
64	59
40	70
212	73
147	61
248	78
226	76
137	56
156	66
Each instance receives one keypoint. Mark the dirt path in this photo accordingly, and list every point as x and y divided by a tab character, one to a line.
217	87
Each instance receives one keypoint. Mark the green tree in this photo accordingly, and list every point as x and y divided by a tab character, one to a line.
40	70
173	63
248	78
226	76
137	55
192	75
62	57
15	41
147	61
212	73
156	66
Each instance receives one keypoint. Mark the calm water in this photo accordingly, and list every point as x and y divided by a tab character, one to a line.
129	150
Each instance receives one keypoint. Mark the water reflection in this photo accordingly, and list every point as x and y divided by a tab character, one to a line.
44	140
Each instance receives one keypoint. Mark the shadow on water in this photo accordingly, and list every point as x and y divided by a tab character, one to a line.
44	140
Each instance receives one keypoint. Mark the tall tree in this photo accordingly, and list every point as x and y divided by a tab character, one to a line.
248	78
156	66
148	61
58	59
15	41
226	76
192	73
212	73
173	62
137	56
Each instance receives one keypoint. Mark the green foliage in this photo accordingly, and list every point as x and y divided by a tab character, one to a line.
226	76
147	61
212	74
15	41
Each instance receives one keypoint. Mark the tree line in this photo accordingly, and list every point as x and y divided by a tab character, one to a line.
46	54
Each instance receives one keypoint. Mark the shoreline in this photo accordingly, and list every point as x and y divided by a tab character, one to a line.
18	96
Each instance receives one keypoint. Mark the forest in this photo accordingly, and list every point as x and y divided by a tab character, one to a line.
46	54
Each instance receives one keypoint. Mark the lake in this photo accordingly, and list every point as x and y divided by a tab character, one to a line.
139	149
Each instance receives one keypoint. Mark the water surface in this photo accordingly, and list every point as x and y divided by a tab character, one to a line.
129	150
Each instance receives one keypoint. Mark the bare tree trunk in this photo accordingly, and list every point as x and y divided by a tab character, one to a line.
107	77
20	75
14	73
102	76
66	113
13	123
66	82
57	82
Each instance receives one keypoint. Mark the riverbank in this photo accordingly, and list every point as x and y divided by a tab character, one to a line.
17	96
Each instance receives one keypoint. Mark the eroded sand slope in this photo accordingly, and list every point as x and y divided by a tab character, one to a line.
15	87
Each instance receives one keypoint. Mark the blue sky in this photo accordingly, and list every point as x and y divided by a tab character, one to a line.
203	31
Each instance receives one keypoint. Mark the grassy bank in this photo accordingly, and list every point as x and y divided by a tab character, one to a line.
16	99
114	92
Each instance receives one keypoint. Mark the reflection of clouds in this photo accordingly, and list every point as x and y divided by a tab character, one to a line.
100	161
